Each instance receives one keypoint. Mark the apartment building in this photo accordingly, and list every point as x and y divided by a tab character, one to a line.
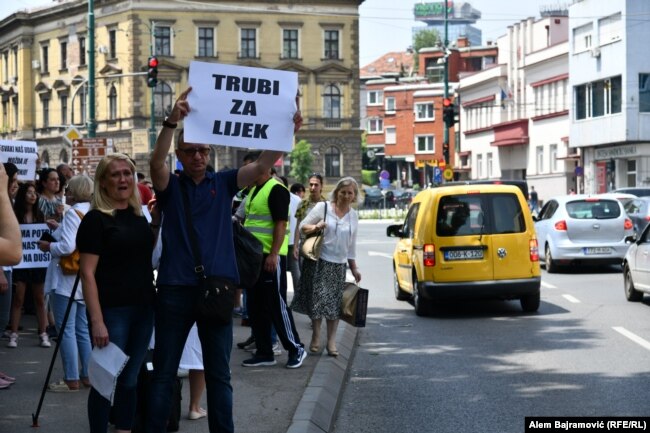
44	63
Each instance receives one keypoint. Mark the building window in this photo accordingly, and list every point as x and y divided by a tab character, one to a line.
162	97
63	102
489	161
644	93
14	106
375	126
539	152
390	105
64	55
332	102
45	101
391	135
332	44
631	172
248	43
15	55
82	95
333	162
63	156
112	43
5	66
5	116
82	51
290	43
598	98
163	40
553	158
375	97
479	166
582	38
112	103
424	111
610	29
206	42
424	144
45	59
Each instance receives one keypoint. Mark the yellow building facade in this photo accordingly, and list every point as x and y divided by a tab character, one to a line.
45	56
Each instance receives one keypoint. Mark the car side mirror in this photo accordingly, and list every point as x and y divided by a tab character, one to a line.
394	231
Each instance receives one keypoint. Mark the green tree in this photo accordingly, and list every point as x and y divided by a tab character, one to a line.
301	161
426	38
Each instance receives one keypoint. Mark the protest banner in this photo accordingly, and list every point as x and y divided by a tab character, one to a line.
241	106
32	256
21	153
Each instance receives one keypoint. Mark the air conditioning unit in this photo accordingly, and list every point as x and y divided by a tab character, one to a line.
36	64
102	49
595	52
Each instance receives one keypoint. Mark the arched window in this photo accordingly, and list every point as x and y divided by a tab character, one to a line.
112	103
333	162
332	102
162	99
63	156
45	159
80	100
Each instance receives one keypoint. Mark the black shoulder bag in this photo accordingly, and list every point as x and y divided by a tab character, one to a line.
215	299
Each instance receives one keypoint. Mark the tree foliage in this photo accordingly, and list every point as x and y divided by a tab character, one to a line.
301	161
425	38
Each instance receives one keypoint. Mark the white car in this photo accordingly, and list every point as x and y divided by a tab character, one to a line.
583	229
636	268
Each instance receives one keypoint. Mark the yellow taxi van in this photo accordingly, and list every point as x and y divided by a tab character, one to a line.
472	241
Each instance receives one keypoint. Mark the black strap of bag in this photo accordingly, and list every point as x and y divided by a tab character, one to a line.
199	270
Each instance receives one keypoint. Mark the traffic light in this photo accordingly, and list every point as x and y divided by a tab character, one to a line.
152	71
448	112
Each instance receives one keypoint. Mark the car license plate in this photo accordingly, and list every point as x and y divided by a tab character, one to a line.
463	254
597	250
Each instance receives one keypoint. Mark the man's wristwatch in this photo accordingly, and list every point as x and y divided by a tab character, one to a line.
167	124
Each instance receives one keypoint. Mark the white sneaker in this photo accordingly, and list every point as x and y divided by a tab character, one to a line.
45	340
13	340
276	349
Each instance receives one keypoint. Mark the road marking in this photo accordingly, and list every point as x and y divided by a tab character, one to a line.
548	285
376	253
632	336
571	299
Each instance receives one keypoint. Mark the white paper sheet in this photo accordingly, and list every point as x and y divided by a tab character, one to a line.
104	367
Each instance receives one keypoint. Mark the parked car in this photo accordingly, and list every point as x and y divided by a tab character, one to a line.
636	268
466	242
638	209
373	198
639	192
583	229
623	197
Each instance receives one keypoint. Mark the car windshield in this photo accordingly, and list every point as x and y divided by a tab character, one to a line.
593	209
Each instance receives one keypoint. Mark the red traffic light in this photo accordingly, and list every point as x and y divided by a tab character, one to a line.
446	102
153	62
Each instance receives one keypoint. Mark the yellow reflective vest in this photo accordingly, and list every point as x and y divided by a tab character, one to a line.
258	217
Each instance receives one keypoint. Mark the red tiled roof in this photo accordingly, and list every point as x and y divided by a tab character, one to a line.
390	63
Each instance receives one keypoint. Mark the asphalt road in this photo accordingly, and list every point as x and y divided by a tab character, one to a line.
484	366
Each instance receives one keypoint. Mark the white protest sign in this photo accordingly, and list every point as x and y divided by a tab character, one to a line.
241	106
32	256
21	153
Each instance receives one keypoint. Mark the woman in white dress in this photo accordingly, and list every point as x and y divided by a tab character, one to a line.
192	360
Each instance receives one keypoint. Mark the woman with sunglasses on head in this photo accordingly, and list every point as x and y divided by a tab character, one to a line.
116	243
27	212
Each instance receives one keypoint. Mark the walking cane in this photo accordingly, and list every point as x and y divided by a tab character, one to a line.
56	350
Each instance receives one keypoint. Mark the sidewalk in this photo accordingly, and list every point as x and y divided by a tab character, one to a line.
266	399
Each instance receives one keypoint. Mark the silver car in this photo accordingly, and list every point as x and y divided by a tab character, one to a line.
636	268
583	229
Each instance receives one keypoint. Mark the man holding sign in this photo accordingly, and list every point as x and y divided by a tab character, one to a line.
210	200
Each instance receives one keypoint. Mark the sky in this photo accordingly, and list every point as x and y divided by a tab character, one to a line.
386	25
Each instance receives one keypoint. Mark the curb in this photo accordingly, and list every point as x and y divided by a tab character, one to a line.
319	403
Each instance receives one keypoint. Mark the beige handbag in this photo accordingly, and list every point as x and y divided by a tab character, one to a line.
354	305
311	246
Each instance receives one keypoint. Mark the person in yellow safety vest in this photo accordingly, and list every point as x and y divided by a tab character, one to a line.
267	214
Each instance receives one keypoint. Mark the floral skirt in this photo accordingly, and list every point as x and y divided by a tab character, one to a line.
321	289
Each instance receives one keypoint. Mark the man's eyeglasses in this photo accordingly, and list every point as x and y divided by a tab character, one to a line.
191	151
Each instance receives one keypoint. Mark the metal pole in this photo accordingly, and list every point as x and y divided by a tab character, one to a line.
152	119
445	137
92	123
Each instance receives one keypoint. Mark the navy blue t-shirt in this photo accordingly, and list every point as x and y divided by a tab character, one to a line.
211	202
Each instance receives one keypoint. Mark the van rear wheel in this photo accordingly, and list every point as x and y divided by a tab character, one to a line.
530	303
422	306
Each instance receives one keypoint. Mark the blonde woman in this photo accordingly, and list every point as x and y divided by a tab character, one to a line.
322	282
116	243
